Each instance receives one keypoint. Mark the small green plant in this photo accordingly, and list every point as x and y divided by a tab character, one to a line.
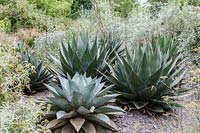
80	104
5	25
41	74
84	56
145	79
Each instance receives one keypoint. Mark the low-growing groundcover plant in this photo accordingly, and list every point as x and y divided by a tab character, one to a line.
85	56
22	117
41	74
80	104
146	80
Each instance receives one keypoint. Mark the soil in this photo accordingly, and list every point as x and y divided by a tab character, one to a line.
143	122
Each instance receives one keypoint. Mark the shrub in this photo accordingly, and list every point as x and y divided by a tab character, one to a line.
14	76
55	8
23	14
22	116
22	17
80	4
187	2
124	7
145	79
2	1
80	104
48	43
5	25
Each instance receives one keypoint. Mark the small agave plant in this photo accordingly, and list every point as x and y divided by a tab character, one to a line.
41	74
84	56
80	104
145	79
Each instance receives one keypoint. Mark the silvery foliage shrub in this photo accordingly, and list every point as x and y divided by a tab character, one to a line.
183	22
186	2
48	43
22	117
99	19
170	19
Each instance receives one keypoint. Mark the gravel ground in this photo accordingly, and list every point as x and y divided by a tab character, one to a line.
145	122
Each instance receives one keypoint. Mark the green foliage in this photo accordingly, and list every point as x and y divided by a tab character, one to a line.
146	78
169	19
23	14
5	25
14	76
55	8
21	117
41	74
187	2
2	1
124	7
167	44
84	56
48	43
80	104
80	4
19	13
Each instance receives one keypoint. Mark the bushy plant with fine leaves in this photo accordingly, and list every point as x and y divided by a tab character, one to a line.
79	5
24	14
186	2
80	104
14	76
55	8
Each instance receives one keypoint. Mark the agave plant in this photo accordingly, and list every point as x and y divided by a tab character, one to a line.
113	43
80	104
145	79
85	56
167	44
41	74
